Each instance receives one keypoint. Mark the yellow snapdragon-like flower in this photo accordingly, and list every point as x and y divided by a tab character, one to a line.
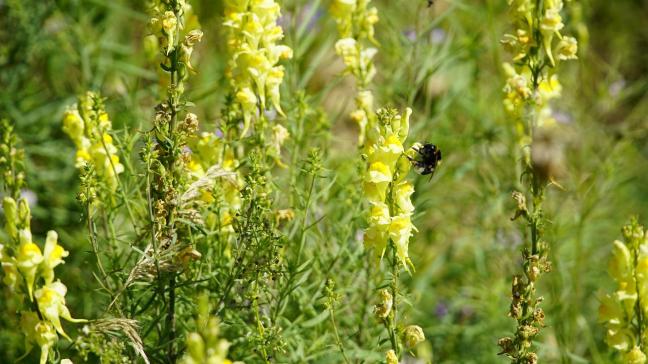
89	127
51	304
620	310
53	255
28	259
253	70
385	188
413	335
40	332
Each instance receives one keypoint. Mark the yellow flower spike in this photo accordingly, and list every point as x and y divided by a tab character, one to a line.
10	209
51	304
28	259
53	256
88	125
253	71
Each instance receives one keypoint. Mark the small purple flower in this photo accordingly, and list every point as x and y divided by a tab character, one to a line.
441	310
438	36
563	117
410	34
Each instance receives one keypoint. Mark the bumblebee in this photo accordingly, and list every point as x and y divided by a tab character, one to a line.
427	159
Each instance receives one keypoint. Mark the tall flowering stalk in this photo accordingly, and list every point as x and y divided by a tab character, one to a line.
29	270
167	157
390	214
625	311
537	46
89	127
355	22
253	69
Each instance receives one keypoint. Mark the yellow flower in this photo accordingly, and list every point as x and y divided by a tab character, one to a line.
88	125
253	71
402	193
40	332
551	24
635	356
567	48
400	231
53	256
28	259
51	304
619	266
384	306
341	8
169	23
73	125
347	49
413	335
391	357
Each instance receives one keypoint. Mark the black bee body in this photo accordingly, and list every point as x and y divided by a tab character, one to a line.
427	159
430	3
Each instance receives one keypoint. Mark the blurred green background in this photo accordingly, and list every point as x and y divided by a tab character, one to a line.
443	61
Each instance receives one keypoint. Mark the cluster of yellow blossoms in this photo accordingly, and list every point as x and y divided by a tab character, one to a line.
253	69
89	126
529	83
355	23
26	266
625	312
385	186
